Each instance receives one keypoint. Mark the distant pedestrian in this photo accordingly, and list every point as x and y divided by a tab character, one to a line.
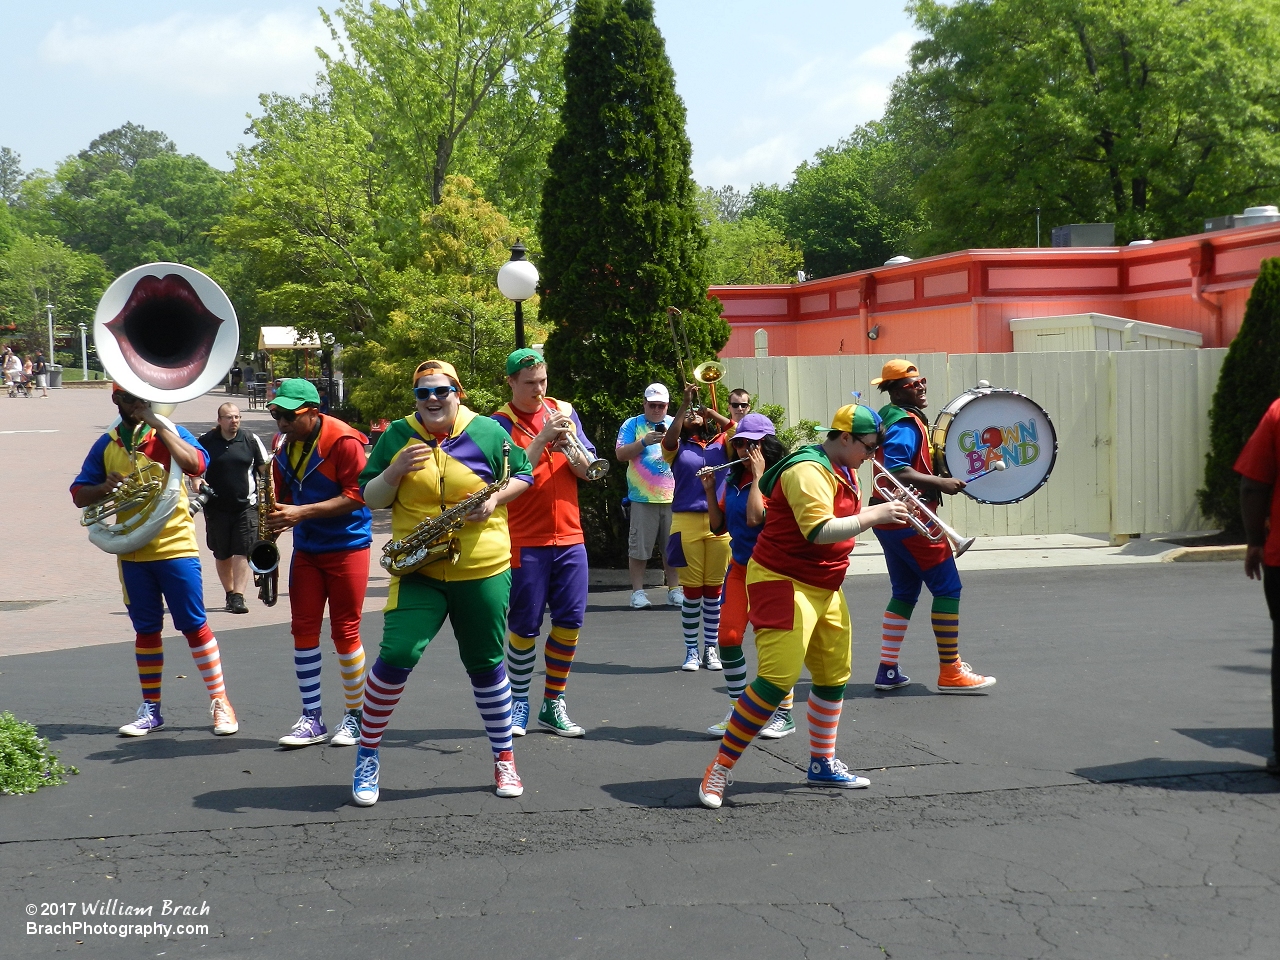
41	371
12	367
650	487
1258	465
231	517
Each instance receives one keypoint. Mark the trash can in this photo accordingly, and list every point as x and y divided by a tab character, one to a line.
55	376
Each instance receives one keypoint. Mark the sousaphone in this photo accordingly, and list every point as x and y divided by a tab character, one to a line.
165	333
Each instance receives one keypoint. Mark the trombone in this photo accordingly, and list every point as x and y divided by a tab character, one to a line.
711	372
927	523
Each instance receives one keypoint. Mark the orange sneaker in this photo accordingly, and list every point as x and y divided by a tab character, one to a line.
714	781
224	718
960	678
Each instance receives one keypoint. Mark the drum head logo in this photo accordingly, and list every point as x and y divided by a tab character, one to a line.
1018	445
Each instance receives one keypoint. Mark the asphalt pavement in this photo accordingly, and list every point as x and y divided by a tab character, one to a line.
1105	800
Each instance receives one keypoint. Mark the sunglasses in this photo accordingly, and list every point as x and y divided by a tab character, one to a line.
918	382
282	416
869	447
741	406
426	393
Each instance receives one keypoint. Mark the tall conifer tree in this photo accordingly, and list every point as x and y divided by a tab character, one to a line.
1247	386
621	236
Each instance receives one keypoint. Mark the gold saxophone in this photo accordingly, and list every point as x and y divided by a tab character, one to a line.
264	555
437	537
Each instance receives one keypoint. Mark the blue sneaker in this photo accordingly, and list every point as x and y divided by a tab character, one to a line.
691	659
148	719
364	785
519	717
889	677
833	773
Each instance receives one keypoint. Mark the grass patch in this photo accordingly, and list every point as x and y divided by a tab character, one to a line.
26	762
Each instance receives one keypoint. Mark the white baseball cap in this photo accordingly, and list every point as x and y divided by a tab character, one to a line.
657	391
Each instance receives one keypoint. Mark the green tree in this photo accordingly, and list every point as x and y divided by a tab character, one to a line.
35	271
457	87
307	217
10	174
1248	384
1148	113
750	250
449	308
621	233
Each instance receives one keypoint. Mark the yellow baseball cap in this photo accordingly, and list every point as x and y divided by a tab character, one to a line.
428	367
896	370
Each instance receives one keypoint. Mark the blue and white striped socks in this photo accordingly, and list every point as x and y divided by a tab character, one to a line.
306	663
492	693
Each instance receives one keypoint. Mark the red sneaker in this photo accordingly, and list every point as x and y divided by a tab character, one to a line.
505	777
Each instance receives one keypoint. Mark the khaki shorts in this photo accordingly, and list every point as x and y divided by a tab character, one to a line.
650	523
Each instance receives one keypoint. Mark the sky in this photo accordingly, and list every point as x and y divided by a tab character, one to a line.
766	83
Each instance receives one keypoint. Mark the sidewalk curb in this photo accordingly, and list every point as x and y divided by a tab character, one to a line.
1204	554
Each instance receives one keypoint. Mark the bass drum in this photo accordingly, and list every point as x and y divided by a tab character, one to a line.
987	424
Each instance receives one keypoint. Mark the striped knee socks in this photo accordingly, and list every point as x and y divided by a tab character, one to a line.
522	652
893	629
945	615
562	644
204	648
751	712
351	666
824	721
690	611
148	650
735	670
382	690
306	664
492	694
711	615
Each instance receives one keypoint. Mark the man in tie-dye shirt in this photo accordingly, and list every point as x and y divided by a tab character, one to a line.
650	488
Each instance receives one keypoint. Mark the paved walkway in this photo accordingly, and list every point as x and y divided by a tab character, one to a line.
1106	800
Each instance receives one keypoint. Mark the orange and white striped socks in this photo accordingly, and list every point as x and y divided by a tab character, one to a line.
825	704
893	629
204	648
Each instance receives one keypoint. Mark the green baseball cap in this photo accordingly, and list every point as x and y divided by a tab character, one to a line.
296	393
524	357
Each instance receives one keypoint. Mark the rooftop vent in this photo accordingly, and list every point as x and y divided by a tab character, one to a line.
894	261
1084	235
1251	217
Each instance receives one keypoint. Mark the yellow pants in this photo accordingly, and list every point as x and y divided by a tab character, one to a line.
798	625
700	557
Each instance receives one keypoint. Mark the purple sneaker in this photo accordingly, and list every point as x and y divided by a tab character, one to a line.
308	730
148	719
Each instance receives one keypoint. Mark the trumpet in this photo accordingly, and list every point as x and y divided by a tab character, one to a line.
711	372
927	523
577	451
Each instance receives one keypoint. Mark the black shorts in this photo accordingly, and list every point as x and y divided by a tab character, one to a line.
230	534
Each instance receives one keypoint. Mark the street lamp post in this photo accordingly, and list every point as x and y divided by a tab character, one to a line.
49	311
84	353
518	280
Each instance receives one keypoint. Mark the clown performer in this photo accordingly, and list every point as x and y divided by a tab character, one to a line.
424	464
548	556
700	556
913	559
740	511
165	570
812	507
317	486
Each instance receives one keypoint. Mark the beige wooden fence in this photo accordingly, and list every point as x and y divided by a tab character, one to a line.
1132	427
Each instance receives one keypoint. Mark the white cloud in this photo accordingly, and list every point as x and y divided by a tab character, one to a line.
208	56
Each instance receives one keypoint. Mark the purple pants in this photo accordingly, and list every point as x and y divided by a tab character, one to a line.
547	575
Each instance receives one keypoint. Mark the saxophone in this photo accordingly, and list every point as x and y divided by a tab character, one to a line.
436	538
264	555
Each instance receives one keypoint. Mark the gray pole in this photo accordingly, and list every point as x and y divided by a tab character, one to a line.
84	353
49	308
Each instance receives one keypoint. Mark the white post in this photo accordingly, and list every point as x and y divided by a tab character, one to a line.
84	354
49	309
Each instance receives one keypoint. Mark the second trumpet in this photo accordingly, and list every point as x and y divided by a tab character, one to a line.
577	451
927	523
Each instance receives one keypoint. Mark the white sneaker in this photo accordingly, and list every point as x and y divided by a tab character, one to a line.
717	729
640	600
675	597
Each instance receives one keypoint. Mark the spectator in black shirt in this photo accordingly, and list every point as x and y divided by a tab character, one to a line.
41	371
231	516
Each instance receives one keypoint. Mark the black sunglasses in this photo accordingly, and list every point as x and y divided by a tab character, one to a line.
742	406
426	393
282	416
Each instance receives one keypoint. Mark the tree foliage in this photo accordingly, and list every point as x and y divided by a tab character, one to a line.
35	271
449	307
1248	384
1147	113
10	174
744	249
621	233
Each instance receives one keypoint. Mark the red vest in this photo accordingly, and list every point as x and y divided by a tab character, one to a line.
547	515
921	463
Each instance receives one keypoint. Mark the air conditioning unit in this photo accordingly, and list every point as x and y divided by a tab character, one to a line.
1084	235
